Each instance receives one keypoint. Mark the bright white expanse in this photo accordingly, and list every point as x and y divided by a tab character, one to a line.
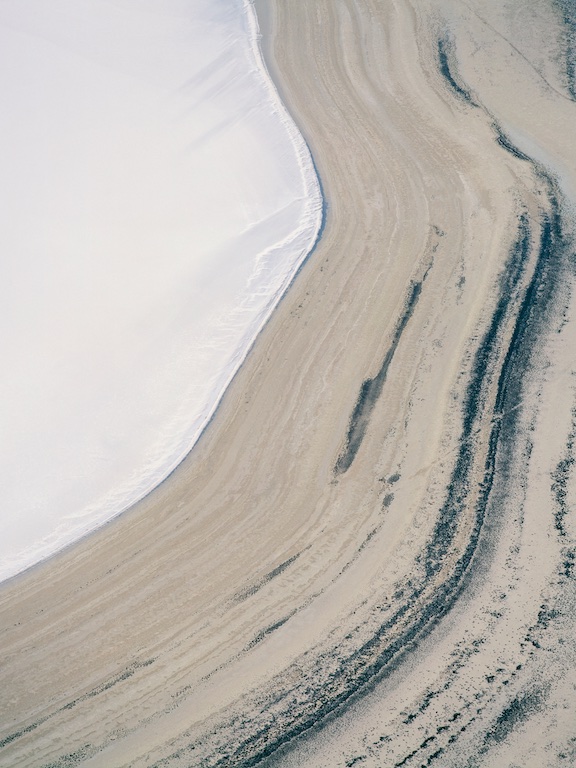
155	202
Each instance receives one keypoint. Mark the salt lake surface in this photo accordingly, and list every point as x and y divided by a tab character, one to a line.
156	201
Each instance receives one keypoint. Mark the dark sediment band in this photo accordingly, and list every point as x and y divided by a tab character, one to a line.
447	70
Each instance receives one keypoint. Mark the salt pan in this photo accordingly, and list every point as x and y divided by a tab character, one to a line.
155	202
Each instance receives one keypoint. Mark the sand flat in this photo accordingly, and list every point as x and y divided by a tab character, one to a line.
369	556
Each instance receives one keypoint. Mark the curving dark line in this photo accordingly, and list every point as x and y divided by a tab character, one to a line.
448	71
512	149
125	675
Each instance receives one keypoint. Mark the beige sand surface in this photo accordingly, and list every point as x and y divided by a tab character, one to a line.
410	602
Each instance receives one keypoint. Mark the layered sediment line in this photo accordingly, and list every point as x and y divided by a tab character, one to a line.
371	389
369	557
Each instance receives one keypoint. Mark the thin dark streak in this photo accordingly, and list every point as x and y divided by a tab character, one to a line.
371	389
253	588
448	69
268	631
506	144
72	759
127	673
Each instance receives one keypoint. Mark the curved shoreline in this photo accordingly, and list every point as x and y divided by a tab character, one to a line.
64	511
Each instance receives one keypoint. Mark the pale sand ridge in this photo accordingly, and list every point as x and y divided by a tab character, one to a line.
266	585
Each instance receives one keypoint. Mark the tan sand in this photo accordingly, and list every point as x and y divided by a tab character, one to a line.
268	579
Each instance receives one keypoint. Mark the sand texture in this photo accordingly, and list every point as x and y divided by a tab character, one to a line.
370	556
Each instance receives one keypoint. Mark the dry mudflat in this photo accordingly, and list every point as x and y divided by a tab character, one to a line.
370	556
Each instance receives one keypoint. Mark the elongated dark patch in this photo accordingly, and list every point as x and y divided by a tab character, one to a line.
448	71
371	389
